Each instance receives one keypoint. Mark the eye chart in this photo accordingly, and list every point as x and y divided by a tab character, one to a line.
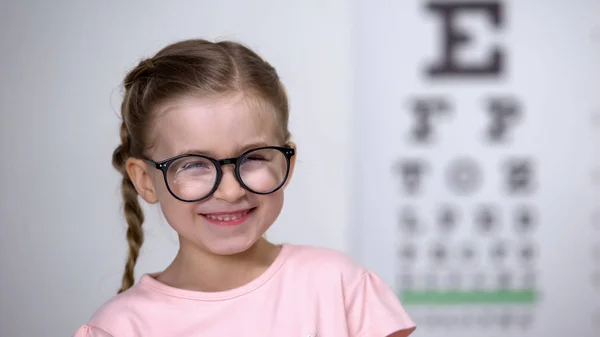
478	163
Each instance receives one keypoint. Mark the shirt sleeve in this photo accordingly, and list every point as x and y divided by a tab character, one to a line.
91	331
374	310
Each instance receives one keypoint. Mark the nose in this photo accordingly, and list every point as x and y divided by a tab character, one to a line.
229	188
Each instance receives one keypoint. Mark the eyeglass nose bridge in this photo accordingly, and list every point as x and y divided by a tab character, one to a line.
227	161
223	162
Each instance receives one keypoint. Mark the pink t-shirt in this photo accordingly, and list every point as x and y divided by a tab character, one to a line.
306	292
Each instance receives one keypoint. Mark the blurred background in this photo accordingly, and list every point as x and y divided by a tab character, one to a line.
450	146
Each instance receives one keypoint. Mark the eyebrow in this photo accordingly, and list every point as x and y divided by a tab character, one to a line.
239	150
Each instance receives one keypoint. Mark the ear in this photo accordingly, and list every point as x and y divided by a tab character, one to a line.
137	170
292	162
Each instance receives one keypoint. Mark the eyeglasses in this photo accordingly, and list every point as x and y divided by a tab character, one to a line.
194	177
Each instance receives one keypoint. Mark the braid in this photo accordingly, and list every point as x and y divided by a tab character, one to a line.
131	207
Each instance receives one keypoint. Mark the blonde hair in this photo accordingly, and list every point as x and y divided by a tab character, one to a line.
187	68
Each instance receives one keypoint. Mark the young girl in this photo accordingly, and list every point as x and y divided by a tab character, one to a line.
205	135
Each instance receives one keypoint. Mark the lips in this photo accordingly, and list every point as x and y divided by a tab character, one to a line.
230	218
227	216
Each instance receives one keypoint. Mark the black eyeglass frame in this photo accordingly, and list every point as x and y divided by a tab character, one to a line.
164	165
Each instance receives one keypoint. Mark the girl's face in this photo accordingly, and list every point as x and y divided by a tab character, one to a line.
232	219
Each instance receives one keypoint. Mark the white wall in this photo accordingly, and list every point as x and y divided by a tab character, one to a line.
62	245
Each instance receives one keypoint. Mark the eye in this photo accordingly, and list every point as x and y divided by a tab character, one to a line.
193	165
256	157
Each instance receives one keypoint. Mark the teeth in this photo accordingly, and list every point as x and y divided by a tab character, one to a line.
229	217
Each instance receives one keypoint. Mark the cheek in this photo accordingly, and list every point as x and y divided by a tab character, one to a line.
175	212
271	206
179	215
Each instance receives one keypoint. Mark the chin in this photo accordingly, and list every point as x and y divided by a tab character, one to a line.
230	246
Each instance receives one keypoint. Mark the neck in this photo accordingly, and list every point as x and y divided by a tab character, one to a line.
195	269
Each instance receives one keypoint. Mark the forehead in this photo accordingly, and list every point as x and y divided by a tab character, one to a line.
219	126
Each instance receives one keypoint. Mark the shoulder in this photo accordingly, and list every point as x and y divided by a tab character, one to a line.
118	316
324	261
371	306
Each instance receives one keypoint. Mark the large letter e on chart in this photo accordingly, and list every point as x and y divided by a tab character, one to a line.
454	37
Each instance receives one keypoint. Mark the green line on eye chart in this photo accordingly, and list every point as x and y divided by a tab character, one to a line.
527	296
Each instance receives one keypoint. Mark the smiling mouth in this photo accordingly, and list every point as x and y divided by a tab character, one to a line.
229	218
